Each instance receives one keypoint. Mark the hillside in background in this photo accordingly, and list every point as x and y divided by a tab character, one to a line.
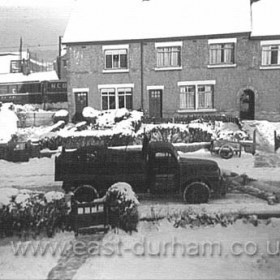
39	27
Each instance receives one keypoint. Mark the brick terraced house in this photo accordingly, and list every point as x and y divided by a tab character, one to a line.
172	58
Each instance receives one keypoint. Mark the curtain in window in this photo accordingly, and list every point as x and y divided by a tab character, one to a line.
215	54
116	59
228	53
205	97
187	97
168	57
266	55
183	99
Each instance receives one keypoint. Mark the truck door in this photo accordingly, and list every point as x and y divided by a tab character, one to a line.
163	173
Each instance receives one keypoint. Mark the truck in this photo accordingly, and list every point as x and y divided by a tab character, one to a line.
156	167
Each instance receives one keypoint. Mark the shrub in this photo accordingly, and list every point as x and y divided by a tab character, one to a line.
33	213
123	206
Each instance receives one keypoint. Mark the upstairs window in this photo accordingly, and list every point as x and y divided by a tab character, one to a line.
222	53
271	55
116	59
168	56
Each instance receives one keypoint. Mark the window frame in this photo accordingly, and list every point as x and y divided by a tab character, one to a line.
270	57
215	63
195	85
117	51
168	51
116	91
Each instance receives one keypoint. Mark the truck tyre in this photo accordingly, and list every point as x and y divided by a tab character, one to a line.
226	151
196	192
85	193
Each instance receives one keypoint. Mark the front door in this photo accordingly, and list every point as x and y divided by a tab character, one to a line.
155	101
81	101
247	105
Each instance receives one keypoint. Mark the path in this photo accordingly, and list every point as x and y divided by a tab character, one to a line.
68	265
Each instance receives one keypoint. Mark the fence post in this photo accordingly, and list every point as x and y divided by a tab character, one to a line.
276	141
254	141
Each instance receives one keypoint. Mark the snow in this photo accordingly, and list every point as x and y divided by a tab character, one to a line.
30	266
22	198
265	18
33	77
61	113
139	21
89	112
53	195
8	124
128	263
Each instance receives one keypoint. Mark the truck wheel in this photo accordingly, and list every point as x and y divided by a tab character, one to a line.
196	192
226	152
85	193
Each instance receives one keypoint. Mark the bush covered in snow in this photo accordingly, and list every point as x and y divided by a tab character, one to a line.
90	114
25	212
61	115
123	206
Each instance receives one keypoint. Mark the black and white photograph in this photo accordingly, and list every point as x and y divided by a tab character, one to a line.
139	139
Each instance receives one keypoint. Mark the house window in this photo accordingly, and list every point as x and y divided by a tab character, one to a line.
116	59
187	97
125	98
197	97
114	98
205	97
168	56
221	53
108	99
270	55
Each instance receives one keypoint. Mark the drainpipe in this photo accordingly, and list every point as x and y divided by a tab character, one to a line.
142	75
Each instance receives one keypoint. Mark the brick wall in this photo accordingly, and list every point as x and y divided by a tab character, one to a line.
86	63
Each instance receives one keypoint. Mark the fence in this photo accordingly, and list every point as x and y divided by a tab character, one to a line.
35	119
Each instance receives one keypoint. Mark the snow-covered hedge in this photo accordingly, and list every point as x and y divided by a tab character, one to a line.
25	212
123	206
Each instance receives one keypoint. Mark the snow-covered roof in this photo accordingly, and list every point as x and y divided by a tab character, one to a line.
111	20
265	18
20	77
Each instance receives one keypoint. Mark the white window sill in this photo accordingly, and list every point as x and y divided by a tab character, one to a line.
269	67
168	68
196	111
221	66
115	71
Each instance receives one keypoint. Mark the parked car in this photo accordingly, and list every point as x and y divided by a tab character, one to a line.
156	168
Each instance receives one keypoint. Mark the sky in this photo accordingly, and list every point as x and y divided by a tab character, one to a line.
38	22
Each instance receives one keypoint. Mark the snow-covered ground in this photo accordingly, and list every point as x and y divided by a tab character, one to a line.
129	263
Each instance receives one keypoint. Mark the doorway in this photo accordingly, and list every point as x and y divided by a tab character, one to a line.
81	101
247	105
155	102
